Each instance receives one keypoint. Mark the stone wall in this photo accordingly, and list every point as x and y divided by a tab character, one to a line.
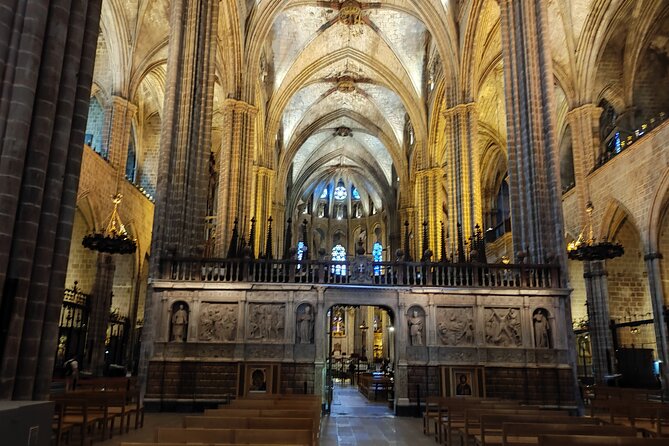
260	324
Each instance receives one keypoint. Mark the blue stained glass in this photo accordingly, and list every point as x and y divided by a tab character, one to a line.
339	255
324	194
300	253
377	253
355	194
340	193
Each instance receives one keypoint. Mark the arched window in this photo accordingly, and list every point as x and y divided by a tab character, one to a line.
300	253
340	191
377	253
131	163
324	194
339	255
354	193
94	124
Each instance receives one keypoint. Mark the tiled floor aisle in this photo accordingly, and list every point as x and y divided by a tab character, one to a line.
353	421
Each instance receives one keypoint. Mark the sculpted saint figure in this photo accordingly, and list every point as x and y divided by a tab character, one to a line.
416	328
541	328
179	322
304	322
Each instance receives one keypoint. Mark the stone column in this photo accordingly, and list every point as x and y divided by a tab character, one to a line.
657	299
235	185
584	124
536	214
47	53
464	173
185	140
99	314
597	293
429	197
401	342
265	185
117	131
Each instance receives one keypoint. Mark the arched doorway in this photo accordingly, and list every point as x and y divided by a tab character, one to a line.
361	356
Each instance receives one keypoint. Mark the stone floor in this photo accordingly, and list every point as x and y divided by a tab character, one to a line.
353	421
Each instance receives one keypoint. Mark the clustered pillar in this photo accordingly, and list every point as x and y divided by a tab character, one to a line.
235	186
43	115
529	84
181	190
463	170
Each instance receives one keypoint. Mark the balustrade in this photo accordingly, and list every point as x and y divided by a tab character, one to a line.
362	271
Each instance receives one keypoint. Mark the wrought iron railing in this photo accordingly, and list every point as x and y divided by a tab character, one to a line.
362	271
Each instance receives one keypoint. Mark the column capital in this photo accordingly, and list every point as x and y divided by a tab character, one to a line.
469	107
120	101
239	106
586	110
653	256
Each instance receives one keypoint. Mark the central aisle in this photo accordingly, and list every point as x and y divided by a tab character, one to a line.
349	402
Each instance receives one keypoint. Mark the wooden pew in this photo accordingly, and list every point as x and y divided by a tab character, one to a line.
274	404
492	424
247	423
81	415
467	428
452	413
527	434
234	436
431	412
228	411
652	417
199	444
590	440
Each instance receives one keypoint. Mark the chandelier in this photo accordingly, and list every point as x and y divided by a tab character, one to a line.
587	250
114	239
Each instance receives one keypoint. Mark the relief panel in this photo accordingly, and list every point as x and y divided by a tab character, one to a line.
218	322
455	326
266	322
502	327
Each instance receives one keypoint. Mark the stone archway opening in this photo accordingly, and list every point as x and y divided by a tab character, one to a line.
361	359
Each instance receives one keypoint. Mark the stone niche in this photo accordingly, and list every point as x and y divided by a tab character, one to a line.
217	322
455	326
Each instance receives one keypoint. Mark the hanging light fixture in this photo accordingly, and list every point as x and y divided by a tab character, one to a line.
114	239
587	250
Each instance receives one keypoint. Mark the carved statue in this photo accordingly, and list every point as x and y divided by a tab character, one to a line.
541	329
179	324
304	326
416	328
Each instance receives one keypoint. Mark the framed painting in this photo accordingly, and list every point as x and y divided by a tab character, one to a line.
258	379
463	381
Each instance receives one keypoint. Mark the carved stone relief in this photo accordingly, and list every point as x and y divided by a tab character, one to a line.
266	321
502	327
455	325
416	321
218	322
305	324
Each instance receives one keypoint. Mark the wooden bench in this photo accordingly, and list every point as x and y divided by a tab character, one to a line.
234	436
451	413
527	434
228	411
590	440
469	427
274	404
492	424
252	423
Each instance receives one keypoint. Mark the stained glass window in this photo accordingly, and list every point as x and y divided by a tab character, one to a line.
354	193
377	253
339	255
300	253
340	193
324	194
